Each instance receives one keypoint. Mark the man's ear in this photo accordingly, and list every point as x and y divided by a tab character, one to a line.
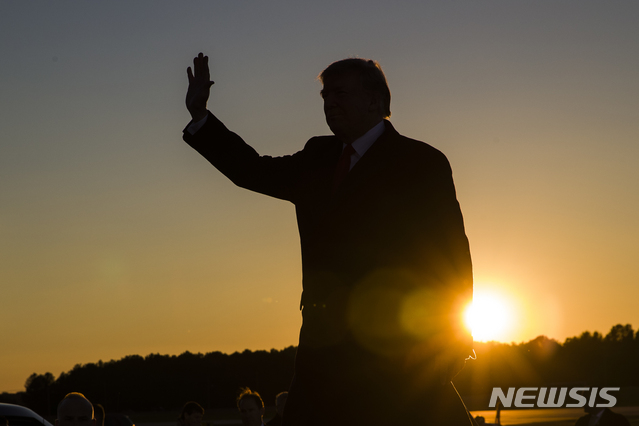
375	103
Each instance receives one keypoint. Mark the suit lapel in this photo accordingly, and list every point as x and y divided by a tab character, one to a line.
379	157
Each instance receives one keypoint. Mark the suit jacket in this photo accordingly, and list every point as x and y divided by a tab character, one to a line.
385	260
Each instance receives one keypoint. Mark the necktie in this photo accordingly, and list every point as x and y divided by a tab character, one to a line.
343	166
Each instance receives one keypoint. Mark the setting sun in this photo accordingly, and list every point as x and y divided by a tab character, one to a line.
489	317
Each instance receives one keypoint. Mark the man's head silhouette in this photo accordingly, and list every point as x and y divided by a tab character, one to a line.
75	410
356	97
251	407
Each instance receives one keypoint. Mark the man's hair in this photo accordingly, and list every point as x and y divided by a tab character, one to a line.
281	396
190	408
248	393
77	395
372	76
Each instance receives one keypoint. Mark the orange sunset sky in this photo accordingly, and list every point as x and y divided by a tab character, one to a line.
116	238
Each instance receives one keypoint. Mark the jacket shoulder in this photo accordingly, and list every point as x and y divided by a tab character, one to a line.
321	148
417	151
321	142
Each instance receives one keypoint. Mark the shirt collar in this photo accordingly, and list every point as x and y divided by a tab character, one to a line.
361	144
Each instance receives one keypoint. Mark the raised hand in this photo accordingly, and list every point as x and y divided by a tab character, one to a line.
199	86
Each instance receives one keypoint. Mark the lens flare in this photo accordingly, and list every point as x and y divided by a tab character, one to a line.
489	317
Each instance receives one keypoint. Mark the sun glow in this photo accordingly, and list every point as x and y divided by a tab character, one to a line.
489	317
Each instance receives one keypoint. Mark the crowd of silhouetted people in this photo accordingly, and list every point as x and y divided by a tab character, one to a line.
250	406
76	410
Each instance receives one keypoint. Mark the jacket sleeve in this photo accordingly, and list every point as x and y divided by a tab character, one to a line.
273	176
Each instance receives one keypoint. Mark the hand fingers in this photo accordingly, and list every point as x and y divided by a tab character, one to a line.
201	66
200	70
196	65
205	64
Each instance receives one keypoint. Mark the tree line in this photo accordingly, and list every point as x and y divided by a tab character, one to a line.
166	382
590	360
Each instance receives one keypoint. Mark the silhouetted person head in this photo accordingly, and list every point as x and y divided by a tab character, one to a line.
251	407
356	97
280	402
598	400
191	414
98	414
4	421
598	415
75	410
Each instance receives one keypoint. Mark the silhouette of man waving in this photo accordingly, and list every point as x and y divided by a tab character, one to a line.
385	259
